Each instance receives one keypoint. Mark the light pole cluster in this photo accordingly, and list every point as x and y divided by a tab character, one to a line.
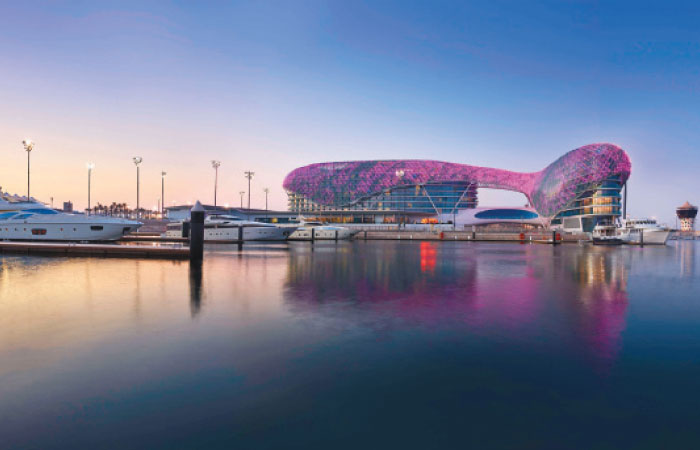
28	145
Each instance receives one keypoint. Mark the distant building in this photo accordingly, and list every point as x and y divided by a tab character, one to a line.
686	214
574	193
68	206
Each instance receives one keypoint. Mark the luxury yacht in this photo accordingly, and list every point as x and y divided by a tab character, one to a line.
322	232
221	227
632	230
27	219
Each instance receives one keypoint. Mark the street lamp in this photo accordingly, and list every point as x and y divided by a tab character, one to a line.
162	193
89	166
215	164
28	147
249	176
242	192
400	174
266	191
137	161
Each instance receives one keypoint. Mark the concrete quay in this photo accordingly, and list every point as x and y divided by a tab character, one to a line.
103	250
534	237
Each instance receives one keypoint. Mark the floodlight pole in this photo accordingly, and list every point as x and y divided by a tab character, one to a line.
162	193
28	147
249	176
137	161
215	164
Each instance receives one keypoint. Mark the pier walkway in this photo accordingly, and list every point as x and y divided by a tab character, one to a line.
105	250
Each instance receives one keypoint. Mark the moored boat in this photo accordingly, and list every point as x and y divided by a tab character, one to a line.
606	234
27	219
646	231
222	227
317	231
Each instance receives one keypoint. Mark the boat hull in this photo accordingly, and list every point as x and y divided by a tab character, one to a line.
304	234
607	241
77	232
651	237
231	233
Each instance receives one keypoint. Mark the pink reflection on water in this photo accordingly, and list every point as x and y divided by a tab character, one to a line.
521	294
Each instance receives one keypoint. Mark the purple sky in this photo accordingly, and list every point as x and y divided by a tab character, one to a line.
270	86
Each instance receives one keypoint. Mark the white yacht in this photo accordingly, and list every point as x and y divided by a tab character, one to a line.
221	227
606	234
26	219
321	232
632	230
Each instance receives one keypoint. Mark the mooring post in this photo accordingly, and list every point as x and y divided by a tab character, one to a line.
197	233
313	234
336	235
554	237
186	229
641	238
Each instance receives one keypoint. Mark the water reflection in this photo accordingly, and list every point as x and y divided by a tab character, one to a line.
195	287
511	292
686	257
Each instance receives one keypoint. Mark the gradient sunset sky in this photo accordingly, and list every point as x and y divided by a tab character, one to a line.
270	86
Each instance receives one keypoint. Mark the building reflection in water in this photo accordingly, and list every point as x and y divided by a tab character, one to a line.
489	289
599	309
686	257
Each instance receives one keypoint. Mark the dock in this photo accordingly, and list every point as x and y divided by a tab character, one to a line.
100	250
409	235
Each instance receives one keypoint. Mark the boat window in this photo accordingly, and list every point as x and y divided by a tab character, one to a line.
41	211
7	215
22	216
38	231
96	227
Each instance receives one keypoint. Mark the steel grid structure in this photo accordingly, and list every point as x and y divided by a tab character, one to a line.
549	191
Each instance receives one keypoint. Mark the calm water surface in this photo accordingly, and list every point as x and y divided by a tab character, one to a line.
349	345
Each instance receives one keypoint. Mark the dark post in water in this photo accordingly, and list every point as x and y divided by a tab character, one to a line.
197	233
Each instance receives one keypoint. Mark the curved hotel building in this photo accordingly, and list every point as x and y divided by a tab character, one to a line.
575	192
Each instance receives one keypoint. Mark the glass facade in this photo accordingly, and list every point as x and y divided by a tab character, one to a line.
601	204
443	198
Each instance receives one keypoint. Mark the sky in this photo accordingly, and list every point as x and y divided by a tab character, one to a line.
269	86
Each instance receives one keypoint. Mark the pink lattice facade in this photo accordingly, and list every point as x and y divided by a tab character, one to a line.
550	190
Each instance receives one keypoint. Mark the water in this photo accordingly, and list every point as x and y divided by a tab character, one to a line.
349	345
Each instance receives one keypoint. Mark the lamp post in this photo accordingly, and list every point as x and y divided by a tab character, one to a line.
249	176
400	174
215	164
89	166
266	191
242	192
162	193
137	161
28	147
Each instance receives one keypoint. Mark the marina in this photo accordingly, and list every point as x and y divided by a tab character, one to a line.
349	225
